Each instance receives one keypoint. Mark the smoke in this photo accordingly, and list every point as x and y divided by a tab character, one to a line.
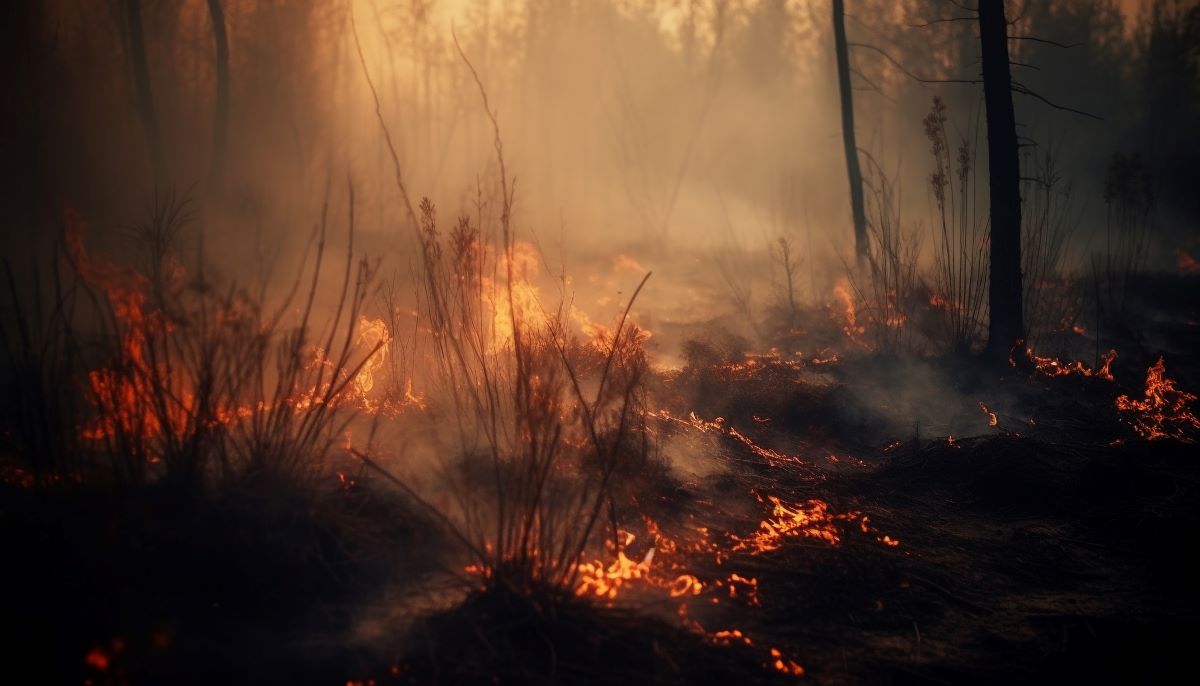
684	137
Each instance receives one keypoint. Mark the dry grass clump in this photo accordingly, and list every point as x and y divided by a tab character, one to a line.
886	279
542	419
1052	297
960	232
1129	227
185	381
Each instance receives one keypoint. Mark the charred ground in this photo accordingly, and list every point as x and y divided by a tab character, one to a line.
1053	545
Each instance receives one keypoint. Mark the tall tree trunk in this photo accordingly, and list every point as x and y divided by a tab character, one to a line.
221	115
847	93
1006	323
145	96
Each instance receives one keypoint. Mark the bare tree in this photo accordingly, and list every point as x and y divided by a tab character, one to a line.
145	95
221	114
847	96
1006	323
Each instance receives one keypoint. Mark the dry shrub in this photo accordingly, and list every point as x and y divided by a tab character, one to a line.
1129	227
960	232
199	385
42	362
542	420
885	281
1052	299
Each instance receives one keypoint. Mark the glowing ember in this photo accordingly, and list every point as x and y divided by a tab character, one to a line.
784	665
97	659
730	636
741	587
1163	410
992	419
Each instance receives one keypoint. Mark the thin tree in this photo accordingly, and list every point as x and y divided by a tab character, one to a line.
1006	323
221	114
145	96
853	171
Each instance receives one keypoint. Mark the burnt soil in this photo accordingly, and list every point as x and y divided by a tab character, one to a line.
1056	546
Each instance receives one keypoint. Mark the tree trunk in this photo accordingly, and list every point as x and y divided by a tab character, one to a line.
1006	323
221	114
847	94
145	96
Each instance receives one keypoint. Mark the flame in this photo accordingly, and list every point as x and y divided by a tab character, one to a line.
124	394
373	335
1053	367
684	585
599	581
514	302
1163	410
1185	262
992	419
808	519
848	316
939	301
140	399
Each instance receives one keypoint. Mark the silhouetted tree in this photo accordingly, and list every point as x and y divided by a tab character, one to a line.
144	92
1006	323
853	171
221	115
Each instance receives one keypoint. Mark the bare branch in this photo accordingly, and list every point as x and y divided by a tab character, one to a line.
1025	91
908	73
387	134
1047	41
944	20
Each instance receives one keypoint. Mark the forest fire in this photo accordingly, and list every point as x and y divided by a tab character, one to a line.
386	342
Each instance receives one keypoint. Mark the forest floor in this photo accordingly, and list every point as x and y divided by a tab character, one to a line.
825	539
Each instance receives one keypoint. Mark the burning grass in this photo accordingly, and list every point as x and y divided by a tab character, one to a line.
534	482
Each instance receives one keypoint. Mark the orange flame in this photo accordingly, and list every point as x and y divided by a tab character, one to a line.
1163	410
1053	367
992	419
848	317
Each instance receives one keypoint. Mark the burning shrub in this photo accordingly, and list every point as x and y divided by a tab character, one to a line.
199	384
544	420
885	283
